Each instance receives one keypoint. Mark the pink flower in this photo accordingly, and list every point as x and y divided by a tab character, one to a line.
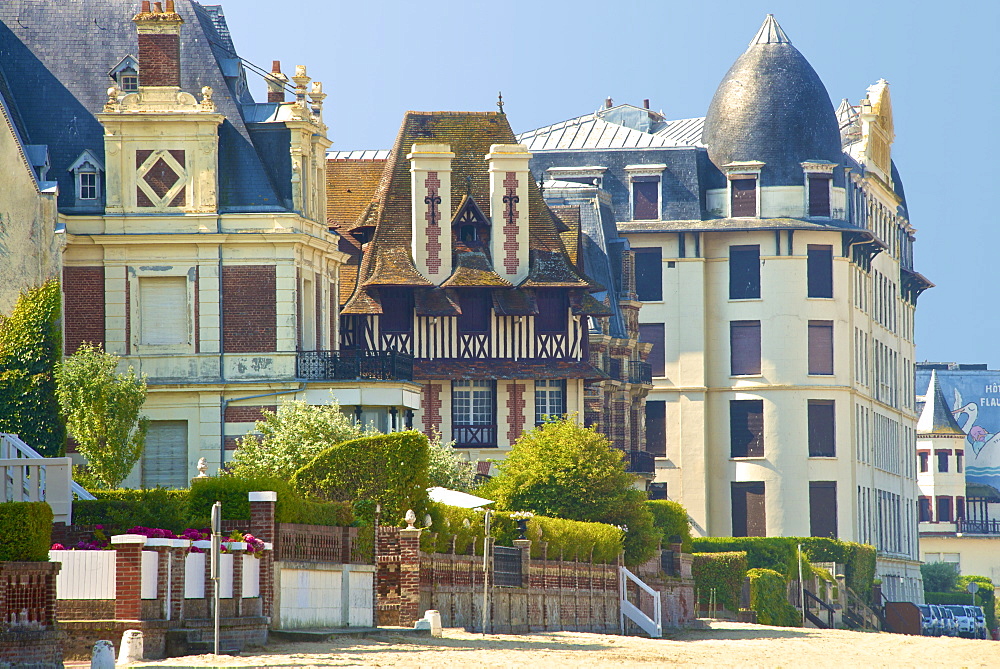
57	547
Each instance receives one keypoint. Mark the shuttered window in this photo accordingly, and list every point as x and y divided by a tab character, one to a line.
744	197
475	316
823	509
924	461
744	342
749	517
163	310
822	435
944	509
819	195
648	274
165	456
653	334
744	272
645	198
656	427
746	428
819	270
925	510
821	347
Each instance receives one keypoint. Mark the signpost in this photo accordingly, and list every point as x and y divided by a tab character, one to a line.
973	588
214	573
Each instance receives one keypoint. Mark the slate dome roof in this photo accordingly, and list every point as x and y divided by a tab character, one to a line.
772	107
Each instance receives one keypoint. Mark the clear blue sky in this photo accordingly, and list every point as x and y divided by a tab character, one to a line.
557	60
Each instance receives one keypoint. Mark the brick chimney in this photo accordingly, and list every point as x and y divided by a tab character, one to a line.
276	82
509	179
159	44
430	187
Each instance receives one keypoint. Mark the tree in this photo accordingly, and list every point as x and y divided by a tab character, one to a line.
445	466
564	470
287	440
101	407
30	350
939	576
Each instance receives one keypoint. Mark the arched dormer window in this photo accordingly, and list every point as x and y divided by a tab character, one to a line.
126	74
87	171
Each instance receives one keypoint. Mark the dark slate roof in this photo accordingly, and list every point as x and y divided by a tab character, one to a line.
935	417
772	106
55	58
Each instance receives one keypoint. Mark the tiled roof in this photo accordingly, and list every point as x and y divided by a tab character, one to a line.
473	270
935	416
569	214
56	57
517	302
586	304
350	186
436	302
504	369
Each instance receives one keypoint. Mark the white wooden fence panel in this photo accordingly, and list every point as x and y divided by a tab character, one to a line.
150	565
85	574
251	576
194	575
310	598
362	585
225	575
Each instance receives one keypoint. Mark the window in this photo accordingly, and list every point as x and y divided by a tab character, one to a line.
657	490
550	400
553	311
86	170
645	198
924	461
958	461
165	455
820	270
473	413
163	310
944	509
653	333
744	345
924	504
959	508
821	347
656	427
88	185
819	194
648	274
823	509
942	460
126	74
822	433
746	428
475	316
749	517
743	193
744	272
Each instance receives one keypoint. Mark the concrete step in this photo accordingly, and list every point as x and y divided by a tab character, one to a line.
319	635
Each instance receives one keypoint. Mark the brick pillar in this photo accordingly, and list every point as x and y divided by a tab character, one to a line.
128	575
525	546
409	576
178	560
162	548
262	526
237	576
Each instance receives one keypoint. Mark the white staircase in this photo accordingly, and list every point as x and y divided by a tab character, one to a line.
651	626
27	476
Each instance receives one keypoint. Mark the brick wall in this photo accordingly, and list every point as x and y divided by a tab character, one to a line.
249	316
159	59
515	405
83	291
432	407
247	414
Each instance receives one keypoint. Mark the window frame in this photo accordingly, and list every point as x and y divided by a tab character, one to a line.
658	440
741	490
817	491
645	174
815	431
741	253
749	184
657	358
651	264
545	391
750	366
739	419
816	366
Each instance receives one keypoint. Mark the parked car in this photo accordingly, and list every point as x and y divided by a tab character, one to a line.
937	620
965	623
980	622
950	624
927	627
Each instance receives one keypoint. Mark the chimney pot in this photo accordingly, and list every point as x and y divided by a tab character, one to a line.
276	66
645	103
145	7
607	103
158	7
170	7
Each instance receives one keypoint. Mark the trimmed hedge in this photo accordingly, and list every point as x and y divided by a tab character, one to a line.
723	571
566	539
985	597
769	598
233	492
390	469
119	510
671	519
25	531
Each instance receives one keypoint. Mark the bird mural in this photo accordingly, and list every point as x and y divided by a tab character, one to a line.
985	445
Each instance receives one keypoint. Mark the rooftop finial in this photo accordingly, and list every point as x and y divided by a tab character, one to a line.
500	101
770	33
468	179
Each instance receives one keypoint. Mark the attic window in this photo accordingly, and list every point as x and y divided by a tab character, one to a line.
126	74
86	172
644	184
87	183
743	192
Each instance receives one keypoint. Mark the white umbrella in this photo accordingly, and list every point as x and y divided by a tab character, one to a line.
457	498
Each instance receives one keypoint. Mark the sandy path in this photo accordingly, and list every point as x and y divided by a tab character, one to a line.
722	644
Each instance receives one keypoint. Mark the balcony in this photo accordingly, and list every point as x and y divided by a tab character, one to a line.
640	372
614	369
978	526
350	365
639	462
473	436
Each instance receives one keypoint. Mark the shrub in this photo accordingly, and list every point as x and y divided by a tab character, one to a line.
769	598
446	468
722	571
985	596
26	531
939	576
390	469
118	510
671	519
233	492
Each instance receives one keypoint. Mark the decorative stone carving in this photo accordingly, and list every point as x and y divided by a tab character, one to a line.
112	104
202	468
410	518
206	98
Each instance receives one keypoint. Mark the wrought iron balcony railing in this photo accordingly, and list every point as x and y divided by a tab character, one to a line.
978	526
640	462
348	365
640	372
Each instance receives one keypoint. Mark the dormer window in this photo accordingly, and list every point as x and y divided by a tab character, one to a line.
743	192
87	169
126	74
819	180
644	184
470	227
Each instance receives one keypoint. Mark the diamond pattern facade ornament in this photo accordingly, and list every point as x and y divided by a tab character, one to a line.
161	178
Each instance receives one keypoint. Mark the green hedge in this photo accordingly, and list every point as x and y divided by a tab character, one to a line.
671	519
119	510
985	597
387	468
769	598
233	492
26	531
568	539
723	571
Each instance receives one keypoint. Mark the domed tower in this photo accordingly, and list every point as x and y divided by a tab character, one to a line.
771	124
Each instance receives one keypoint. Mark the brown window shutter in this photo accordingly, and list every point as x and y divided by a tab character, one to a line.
944	509
646	199
744	197
648	274
748	509
821	347
744	341
925	510
819	270
822	429
823	509
653	333
746	428
744	272
656	427
819	195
